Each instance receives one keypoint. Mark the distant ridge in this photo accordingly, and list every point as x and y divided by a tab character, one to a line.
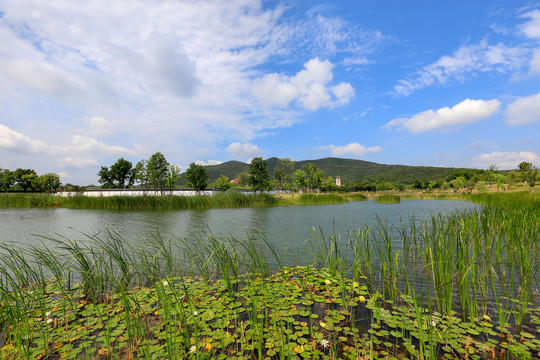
347	169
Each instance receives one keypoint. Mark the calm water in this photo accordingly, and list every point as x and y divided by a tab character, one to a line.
286	227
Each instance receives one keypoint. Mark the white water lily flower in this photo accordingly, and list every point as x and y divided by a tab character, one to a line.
49	321
195	313
325	343
193	349
48	314
165	283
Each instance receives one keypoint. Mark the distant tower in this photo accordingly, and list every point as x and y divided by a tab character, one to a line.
338	181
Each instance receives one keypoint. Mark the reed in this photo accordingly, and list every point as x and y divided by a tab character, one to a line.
388	199
355	297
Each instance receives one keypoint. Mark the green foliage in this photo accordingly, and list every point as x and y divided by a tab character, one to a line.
223	183
259	179
314	176
196	177
388	199
173	175
6	179
299	179
528	173
119	175
157	169
24	178
49	182
283	172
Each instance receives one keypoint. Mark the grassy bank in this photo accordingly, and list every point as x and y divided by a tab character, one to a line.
459	286
229	199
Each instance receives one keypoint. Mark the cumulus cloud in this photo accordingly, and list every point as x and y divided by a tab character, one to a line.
505	160
98	126
77	162
243	151
310	88
354	149
531	29
523	110
467	111
467	60
78	148
209	162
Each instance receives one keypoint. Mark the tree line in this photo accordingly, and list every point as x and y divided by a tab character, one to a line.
155	173
28	180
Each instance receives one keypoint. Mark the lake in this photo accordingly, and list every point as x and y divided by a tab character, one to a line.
285	227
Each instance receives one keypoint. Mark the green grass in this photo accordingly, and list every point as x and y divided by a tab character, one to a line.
388	199
228	199
458	286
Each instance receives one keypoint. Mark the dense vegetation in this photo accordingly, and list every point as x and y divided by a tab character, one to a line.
460	286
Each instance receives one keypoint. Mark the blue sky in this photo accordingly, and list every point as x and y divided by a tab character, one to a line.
440	83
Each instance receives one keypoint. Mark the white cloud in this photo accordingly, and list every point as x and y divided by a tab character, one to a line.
354	149
310	87
467	60
523	110
78	162
467	111
209	162
505	160
244	151
532	28
98	126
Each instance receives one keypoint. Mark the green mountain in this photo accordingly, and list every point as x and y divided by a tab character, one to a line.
347	169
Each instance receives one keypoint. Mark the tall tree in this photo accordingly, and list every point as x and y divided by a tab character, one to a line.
528	173
314	176
139	173
6	179
120	173
157	168
196	177
283	172
259	179
24	178
105	178
223	183
49	182
173	175
299	178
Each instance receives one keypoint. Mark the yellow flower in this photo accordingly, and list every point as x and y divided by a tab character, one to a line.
355	284
362	299
327	282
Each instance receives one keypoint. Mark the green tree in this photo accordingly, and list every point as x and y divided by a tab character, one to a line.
243	179
283	172
223	183
157	168
121	173
314	176
24	178
49	182
513	177
299	179
105	178
196	177
6	179
528	173
173	175
140	174
259	179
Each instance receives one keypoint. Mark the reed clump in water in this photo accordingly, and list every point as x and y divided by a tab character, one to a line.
456	286
388	199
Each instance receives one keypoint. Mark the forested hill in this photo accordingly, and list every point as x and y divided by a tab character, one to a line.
347	169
